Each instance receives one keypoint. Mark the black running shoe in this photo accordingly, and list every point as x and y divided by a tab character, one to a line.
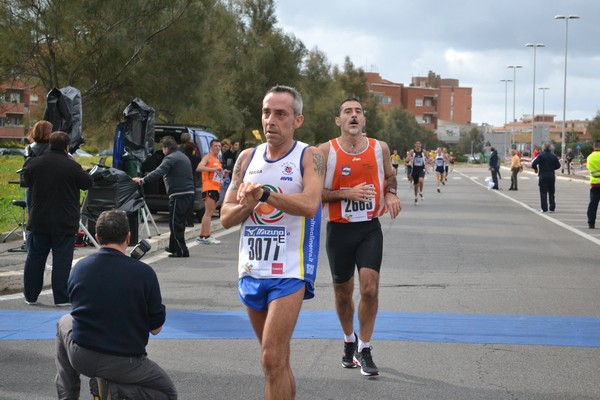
349	349
364	359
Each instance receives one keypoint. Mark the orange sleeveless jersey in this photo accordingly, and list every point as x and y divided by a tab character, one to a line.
347	170
212	180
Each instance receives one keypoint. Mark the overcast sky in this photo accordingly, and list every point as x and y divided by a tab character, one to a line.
469	40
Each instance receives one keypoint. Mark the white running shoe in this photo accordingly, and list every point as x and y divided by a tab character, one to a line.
209	240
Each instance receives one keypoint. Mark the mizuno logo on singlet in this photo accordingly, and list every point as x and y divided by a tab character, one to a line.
256	231
356	159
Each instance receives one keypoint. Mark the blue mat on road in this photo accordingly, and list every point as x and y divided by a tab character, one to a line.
401	326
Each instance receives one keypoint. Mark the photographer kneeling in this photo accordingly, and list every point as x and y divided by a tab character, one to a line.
116	303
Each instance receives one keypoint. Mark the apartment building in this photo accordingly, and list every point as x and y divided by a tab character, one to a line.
18	102
546	128
431	99
387	92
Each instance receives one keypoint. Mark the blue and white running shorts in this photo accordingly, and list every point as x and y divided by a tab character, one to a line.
258	293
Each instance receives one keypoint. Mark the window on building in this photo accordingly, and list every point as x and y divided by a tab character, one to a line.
382	98
419	102
33	98
427	119
428	102
15	97
15	121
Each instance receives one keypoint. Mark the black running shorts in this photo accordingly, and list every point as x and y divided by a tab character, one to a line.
213	194
418	173
357	244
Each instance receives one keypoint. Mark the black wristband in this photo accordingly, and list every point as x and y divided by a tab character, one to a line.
265	195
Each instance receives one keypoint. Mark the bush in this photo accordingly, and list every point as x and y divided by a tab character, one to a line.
13	145
9	214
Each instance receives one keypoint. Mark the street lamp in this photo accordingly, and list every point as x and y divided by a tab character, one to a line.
535	46
543	89
514	67
505	111
564	122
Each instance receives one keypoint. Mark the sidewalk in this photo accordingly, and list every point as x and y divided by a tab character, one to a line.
576	175
12	263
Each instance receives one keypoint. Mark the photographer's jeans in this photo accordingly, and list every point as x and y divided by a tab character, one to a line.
39	246
178	209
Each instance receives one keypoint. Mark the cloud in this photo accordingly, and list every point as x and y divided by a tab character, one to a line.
469	40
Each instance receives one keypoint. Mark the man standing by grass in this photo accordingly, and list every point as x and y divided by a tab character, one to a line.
54	180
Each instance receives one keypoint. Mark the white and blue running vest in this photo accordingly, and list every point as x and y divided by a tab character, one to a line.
274	244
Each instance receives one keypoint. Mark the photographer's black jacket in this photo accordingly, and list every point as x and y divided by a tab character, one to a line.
55	180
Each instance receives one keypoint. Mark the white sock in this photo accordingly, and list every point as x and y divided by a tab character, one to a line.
349	339
362	345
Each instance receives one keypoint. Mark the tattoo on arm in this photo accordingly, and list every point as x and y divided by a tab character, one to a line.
236	176
319	163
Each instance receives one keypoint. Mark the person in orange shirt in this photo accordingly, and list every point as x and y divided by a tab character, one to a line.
212	176
360	186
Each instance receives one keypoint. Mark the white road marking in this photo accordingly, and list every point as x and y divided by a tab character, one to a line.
547	216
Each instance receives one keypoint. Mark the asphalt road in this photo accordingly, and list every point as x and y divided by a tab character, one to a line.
462	258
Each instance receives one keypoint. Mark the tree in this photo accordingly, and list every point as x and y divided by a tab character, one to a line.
472	142
351	80
401	131
571	138
92	45
374	116
322	96
594	128
206	62
264	57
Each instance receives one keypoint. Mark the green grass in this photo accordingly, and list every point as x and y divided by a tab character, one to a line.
10	215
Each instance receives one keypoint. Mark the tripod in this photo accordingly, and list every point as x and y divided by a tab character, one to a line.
145	213
88	234
21	226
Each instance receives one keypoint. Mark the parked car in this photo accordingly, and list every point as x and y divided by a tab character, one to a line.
155	192
82	153
12	151
474	158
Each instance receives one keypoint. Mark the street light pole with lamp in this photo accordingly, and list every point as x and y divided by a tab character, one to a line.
543	89
514	67
535	46
564	121
505	112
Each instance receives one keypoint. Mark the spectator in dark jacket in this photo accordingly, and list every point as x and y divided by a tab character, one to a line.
176	170
494	165
38	146
545	164
55	180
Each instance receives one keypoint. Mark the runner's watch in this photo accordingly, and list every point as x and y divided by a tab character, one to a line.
392	191
265	195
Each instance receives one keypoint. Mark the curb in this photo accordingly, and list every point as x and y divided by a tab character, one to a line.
12	281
